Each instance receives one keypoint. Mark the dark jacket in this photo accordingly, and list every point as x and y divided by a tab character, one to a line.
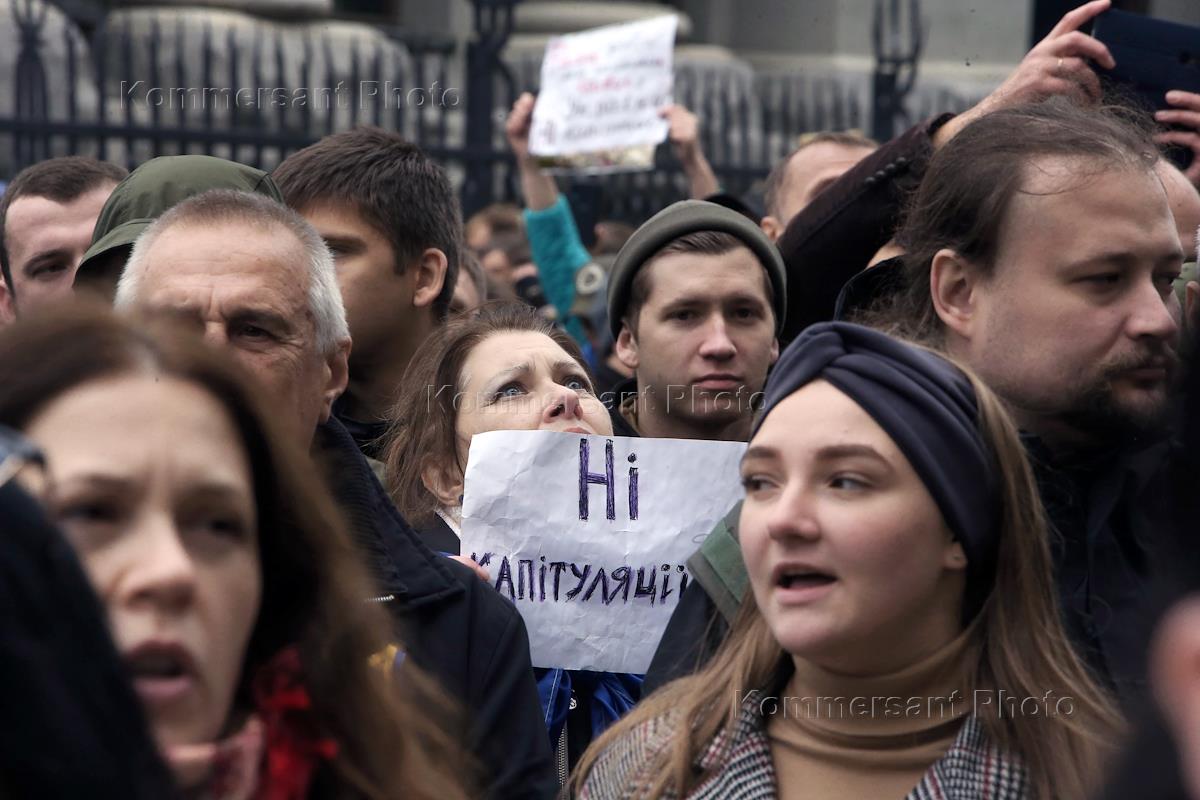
73	726
1103	511
454	625
835	236
438	537
369	436
612	401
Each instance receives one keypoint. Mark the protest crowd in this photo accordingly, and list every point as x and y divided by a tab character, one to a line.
928	426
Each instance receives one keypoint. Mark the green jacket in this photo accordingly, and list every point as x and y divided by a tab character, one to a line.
718	565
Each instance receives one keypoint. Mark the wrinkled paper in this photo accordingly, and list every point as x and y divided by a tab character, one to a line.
601	93
522	519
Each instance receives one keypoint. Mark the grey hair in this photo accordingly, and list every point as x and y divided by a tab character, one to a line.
227	205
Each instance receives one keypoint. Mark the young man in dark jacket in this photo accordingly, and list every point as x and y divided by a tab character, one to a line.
392	221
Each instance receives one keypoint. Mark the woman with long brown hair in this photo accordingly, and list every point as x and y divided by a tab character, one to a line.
230	585
902	636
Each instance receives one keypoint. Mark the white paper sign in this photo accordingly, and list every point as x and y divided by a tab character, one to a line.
588	535
602	89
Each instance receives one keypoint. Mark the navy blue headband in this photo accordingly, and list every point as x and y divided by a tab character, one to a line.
928	407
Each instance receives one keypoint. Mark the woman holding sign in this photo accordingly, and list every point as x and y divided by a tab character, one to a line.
507	368
902	638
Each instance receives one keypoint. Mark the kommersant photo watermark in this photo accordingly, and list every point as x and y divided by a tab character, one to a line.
989	702
366	94
678	396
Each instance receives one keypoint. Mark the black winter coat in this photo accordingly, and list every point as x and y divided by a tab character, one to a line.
454	626
73	726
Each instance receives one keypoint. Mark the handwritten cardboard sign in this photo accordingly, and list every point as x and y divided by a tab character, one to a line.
601	93
588	535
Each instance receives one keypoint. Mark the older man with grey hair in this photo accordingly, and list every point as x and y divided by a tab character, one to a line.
260	283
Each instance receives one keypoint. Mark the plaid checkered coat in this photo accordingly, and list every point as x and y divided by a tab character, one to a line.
972	769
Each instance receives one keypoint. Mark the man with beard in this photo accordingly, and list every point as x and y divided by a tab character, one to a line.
1041	253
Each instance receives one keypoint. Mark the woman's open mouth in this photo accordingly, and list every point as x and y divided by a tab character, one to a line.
162	672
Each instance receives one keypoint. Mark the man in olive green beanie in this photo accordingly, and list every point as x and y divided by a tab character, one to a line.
695	303
146	194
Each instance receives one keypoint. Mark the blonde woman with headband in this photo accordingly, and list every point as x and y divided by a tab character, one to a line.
902	636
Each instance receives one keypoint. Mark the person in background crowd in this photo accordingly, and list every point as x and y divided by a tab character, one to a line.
505	368
63	687
1184	200
503	253
390	218
683	132
1185	113
553	238
232	591
46	218
471	289
556	246
492	221
611	236
696	300
817	161
1042	252
142	197
261	284
896	549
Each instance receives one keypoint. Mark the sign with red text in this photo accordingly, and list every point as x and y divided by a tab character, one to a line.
601	93
588	535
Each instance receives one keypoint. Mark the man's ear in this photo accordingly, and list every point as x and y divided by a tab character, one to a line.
772	227
626	347
429	277
953	286
443	480
337	370
8	310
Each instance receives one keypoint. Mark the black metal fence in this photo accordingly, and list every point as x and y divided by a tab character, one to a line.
149	83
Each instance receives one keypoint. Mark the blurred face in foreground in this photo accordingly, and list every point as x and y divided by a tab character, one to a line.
151	485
